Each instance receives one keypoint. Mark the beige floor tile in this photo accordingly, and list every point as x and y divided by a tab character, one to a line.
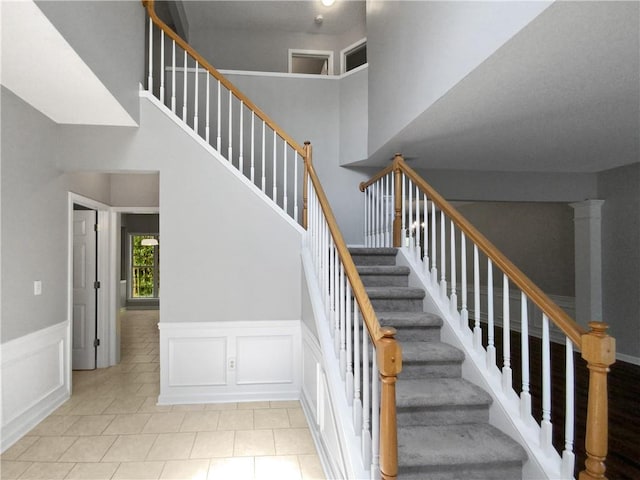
18	448
88	449
148	389
139	471
130	448
148	377
221	406
297	418
190	407
213	444
93	406
164	422
185	469
145	367
47	449
240	468
253	405
293	441
285	404
311	467
54	425
250	443
271	418
92	471
280	467
149	406
127	424
46	471
236	420
125	404
172	446
11	470
90	425
205	421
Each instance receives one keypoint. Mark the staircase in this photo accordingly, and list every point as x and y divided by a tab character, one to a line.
443	429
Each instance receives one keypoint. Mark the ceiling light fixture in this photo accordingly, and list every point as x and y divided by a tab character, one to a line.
328	3
149	242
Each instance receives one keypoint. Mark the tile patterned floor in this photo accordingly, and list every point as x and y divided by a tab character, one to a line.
111	428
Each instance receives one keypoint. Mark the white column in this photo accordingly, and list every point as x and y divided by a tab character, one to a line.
588	259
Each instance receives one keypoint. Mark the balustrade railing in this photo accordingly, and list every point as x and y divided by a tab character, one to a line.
222	116
402	210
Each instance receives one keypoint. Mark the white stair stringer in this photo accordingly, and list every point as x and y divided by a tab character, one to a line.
504	412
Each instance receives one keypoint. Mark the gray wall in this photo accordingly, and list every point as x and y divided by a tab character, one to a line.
417	51
109	37
620	189
354	116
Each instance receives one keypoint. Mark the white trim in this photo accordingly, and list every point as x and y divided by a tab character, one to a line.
106	308
623	357
349	49
299	52
34	379
203	362
250	73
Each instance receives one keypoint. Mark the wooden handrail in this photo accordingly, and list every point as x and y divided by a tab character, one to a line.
563	321
149	5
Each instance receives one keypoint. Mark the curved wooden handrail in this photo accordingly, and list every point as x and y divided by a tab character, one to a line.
149	5
563	321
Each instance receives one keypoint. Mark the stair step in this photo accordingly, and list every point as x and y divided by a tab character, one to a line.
384	275
413	326
431	360
472	451
385	299
373	256
440	401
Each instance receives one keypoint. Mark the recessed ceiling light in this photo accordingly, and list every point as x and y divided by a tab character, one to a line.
328	3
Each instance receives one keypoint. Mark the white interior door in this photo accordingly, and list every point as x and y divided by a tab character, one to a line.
84	291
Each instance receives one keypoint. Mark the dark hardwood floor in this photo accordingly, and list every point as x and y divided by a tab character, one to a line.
623	460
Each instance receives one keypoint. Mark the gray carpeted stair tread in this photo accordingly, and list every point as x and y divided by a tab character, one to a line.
382	270
373	251
409	319
430	352
456	445
395	292
439	392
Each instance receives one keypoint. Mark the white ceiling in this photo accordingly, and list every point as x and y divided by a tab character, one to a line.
34	52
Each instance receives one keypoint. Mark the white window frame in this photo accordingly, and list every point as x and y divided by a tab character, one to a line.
156	269
345	51
296	52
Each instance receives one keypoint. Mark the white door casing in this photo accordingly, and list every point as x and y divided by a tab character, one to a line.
84	293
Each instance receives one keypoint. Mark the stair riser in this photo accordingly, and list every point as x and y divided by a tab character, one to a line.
374	259
421	370
385	280
439	416
405	334
457	472
397	304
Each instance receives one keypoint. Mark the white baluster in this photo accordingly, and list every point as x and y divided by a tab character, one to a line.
219	138
366	402
241	151
295	185
343	325
162	66
410	223
349	329
425	241
434	251
387	213
546	428
357	402
392	208
378	216
173	76
477	330
418	227
150	77
284	177
366	217
464	312
230	144
568	457
525	395
331	283
507	375
443	258
454	286
195	104
264	156
253	147
403	231
274	191
184	89
375	419
491	349
207	129
338	305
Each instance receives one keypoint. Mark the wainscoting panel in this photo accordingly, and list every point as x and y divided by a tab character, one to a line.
229	361
34	379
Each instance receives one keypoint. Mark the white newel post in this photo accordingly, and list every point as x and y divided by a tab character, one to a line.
588	260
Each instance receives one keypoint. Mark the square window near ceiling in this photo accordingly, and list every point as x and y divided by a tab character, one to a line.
353	56
314	62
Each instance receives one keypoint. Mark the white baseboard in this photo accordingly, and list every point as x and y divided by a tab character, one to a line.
35	380
208	362
628	358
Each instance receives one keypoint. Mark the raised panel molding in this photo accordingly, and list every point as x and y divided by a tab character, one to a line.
229	361
35	380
